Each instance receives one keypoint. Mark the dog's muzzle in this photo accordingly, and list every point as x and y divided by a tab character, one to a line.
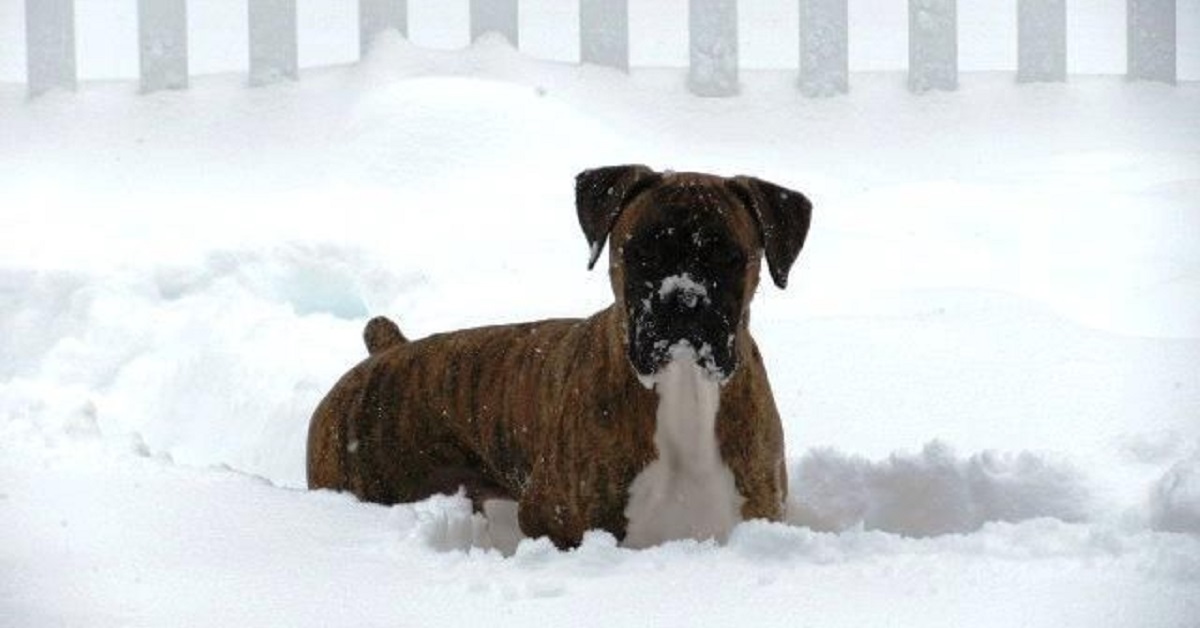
681	312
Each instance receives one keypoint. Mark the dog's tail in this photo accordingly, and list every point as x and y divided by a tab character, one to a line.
381	334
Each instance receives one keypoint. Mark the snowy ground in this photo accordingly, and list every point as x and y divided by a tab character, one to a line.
986	361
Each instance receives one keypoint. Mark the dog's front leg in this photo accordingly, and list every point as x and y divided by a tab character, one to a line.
541	514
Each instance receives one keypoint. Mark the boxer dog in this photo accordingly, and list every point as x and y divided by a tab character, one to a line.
652	419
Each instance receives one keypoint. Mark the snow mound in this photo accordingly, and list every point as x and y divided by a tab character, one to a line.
436	118
217	362
935	493
931	493
446	524
1175	502
456	122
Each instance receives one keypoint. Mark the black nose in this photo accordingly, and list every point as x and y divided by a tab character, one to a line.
682	293
681	303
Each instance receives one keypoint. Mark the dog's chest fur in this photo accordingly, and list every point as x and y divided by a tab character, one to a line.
688	491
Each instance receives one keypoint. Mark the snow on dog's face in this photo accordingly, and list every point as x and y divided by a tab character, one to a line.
685	257
684	284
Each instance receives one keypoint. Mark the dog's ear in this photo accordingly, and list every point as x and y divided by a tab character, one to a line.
601	194
783	217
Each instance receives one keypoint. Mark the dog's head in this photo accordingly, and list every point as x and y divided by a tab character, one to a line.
685	256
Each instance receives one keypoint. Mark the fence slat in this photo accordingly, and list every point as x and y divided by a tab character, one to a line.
932	45
824	47
1041	40
604	32
495	16
162	44
713	46
49	45
272	41
377	16
1151	40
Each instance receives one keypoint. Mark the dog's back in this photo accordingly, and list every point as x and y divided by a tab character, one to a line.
428	416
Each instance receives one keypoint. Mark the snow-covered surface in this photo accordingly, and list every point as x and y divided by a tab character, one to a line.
985	362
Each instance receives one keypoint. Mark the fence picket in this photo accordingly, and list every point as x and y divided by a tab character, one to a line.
824	47
1151	40
377	16
272	41
1041	40
49	45
932	45
495	16
713	46
604	32
162	44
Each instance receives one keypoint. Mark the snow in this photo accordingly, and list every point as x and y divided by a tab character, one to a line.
985	361
934	492
1176	500
235	549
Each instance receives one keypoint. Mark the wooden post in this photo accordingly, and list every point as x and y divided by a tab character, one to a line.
1151	40
1041	40
712	26
49	45
162	44
824	48
932	45
376	16
604	32
272	41
495	16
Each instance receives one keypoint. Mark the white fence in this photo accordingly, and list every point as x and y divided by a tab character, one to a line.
821	59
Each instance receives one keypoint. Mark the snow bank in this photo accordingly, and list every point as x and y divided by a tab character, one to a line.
184	546
934	492
219	363
1175	503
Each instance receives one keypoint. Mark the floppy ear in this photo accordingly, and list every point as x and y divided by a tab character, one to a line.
601	194
783	217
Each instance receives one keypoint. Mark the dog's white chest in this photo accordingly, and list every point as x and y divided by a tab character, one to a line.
689	491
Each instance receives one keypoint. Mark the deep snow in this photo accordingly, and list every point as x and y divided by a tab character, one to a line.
985	360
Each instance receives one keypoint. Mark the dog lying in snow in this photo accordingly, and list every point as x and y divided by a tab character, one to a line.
651	419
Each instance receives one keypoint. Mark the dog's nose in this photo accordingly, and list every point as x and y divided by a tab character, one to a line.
682	292
681	301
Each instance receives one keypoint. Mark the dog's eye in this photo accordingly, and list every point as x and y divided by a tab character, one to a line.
729	259
647	255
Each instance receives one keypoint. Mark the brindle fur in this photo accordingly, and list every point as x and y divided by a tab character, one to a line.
550	413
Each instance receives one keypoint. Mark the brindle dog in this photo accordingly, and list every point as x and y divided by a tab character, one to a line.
561	415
